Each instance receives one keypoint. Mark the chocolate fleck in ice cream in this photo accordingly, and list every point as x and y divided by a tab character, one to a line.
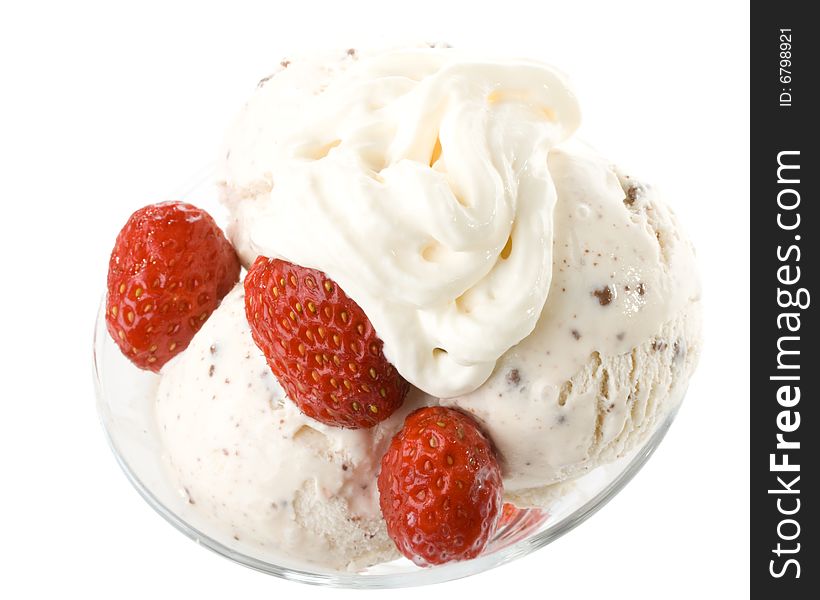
511	272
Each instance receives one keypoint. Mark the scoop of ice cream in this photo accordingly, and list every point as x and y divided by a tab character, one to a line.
418	180
255	465
617	340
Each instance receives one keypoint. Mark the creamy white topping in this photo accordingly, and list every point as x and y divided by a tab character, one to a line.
418	180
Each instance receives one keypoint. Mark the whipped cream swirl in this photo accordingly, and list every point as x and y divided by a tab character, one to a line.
418	181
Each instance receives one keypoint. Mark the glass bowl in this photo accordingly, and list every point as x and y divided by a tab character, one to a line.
126	410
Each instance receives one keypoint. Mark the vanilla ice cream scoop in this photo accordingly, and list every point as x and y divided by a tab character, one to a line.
617	340
259	469
418	180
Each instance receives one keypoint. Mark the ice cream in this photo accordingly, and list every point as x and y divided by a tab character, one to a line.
617	340
511	271
246	457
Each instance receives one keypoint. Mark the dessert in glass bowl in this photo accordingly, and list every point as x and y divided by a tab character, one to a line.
438	331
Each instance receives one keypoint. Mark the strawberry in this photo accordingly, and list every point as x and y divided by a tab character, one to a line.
510	513
170	268
517	524
440	487
320	345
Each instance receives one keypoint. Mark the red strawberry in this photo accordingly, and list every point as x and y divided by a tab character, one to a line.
170	268
525	517
320	345
516	524
440	487
509	512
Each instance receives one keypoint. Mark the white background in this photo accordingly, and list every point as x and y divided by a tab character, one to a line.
106	108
